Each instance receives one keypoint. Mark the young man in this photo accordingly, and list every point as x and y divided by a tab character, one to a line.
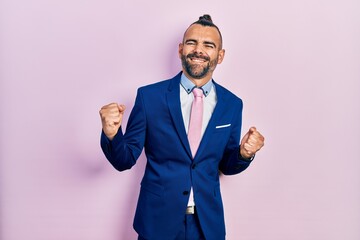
190	128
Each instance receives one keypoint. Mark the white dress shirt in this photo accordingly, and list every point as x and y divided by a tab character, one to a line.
186	99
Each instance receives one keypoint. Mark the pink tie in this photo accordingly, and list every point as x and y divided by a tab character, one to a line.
195	125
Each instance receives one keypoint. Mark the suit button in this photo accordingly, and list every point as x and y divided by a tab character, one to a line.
193	166
185	192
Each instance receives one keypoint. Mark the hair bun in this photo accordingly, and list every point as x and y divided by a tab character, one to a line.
206	17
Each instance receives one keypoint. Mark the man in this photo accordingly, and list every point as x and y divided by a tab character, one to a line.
190	128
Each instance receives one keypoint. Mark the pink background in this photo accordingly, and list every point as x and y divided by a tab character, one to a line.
296	65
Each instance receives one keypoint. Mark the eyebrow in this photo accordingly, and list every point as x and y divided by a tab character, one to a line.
205	42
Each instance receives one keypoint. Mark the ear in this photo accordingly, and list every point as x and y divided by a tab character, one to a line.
221	56
180	51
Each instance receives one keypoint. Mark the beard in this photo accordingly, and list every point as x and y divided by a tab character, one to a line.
197	70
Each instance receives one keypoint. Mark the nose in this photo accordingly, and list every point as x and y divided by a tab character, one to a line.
198	49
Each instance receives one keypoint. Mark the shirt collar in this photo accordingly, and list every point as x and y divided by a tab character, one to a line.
189	85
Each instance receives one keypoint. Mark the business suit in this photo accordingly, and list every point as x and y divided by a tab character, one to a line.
156	123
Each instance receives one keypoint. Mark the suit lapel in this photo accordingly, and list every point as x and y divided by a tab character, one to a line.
218	112
173	100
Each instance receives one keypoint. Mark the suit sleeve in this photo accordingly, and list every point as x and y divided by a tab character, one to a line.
232	162
124	150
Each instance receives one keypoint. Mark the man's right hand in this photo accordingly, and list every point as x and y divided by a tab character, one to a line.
111	118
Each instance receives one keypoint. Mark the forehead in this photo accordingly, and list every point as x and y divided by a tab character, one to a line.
202	33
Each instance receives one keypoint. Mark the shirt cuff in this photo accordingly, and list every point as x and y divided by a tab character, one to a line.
245	159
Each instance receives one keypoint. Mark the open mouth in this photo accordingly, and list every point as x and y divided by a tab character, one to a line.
197	59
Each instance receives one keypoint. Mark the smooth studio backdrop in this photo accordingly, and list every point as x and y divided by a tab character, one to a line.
295	64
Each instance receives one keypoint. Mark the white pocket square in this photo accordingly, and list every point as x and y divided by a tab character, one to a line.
223	126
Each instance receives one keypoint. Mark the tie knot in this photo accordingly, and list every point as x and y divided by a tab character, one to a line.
198	92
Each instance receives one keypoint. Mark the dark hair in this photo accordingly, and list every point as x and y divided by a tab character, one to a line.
206	21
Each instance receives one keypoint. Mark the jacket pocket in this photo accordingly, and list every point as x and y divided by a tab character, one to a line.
222	128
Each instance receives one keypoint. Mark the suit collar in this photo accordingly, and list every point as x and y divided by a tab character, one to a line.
174	83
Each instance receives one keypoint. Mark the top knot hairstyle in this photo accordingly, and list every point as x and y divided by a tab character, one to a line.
206	21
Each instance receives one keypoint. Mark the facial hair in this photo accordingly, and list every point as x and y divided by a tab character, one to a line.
192	69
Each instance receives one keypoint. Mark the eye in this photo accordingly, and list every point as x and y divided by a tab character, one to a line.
190	43
209	46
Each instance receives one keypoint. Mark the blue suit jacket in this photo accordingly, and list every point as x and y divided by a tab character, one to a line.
156	123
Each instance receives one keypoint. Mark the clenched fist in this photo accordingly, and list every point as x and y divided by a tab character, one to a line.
111	118
252	142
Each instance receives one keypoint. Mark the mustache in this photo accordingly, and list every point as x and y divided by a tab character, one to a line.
195	55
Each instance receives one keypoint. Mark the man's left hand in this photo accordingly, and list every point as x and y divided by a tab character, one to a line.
252	142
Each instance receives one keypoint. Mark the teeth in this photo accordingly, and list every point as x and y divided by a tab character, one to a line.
197	60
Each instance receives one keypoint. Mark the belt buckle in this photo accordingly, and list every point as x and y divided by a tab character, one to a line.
190	210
